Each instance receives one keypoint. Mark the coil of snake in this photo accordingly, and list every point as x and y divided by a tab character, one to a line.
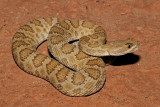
89	73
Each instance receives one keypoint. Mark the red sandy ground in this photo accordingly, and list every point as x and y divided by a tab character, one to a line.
130	85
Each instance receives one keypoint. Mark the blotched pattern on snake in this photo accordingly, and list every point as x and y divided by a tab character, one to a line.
89	75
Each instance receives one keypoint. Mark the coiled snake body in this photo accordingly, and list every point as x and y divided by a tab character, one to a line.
89	75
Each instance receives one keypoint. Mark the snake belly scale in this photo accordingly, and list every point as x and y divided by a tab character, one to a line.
89	75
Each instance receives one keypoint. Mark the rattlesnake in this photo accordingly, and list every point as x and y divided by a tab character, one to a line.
77	72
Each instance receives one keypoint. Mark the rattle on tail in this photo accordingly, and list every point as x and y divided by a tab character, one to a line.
89	75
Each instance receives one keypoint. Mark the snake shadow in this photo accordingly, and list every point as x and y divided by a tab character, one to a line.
127	59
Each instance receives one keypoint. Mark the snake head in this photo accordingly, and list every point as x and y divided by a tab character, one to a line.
122	47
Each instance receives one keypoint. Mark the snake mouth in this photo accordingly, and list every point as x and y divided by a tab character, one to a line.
136	47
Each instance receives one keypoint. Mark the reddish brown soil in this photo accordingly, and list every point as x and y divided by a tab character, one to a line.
133	81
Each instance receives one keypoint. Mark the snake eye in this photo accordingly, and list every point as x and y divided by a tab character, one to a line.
129	45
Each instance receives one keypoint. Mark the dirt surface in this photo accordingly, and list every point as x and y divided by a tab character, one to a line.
132	81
